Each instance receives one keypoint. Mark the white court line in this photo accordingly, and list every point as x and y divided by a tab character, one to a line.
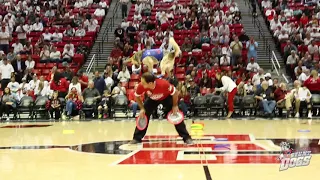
251	137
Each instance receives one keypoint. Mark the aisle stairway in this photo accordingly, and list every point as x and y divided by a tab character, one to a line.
252	30
103	46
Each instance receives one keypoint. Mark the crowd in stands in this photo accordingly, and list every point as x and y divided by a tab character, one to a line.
43	44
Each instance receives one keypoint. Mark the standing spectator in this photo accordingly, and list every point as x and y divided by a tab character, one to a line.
252	47
60	84
19	68
6	71
236	47
124	8
4	40
99	83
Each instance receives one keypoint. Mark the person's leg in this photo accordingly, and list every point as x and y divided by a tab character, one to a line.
309	106
272	105
149	62
134	107
265	105
149	106
69	107
57	113
180	128
51	110
297	107
231	96
183	107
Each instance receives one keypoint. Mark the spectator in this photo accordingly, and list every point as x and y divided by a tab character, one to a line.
37	26
132	99
55	106
17	47
99	83
257	77
118	90
124	8
27	49
266	99
301	94
252	47
75	84
55	55
74	101
69	32
313	82
91	92
67	54
193	90
124	74
83	79
13	85
19	68
42	88
56	36
236	47
104	107
119	32
292	60
6	71
225	60
253	66
80	32
8	102
60	84
4	40
205	82
99	12
22	31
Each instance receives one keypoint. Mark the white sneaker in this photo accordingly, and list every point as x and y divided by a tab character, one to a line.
310	115
8	119
297	115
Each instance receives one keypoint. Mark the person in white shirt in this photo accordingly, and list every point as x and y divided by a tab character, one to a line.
34	82
266	4
136	69
47	35
301	75
4	40
55	55
225	60
230	87
29	63
13	85
21	33
81	32
283	36
37	26
78	4
17	47
301	94
124	75
92	25
43	88
56	36
67	54
313	47
99	12
253	66
109	81
257	77
137	16
75	84
6	71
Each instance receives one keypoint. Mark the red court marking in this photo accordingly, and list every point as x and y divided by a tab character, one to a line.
175	145
234	137
170	157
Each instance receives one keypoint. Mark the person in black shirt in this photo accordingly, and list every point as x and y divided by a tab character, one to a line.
265	97
119	32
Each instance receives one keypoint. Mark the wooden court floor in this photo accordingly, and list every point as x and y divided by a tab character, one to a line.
225	150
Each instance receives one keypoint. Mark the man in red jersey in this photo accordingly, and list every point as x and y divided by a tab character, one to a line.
159	91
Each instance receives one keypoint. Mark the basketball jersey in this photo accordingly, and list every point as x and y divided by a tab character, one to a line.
156	53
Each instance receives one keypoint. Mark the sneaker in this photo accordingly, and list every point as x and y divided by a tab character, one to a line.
105	116
297	115
8	119
133	141
99	116
189	142
310	115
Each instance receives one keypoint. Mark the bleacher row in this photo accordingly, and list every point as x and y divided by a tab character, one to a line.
78	59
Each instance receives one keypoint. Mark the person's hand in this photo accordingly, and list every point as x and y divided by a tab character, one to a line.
175	109
142	113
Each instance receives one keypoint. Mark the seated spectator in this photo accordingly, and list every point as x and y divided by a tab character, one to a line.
256	79
75	84
8	102
54	106
253	66
17	47
301	75
83	80
13	85
224	38
42	88
248	88
104	107
124	75
99	12
193	90
55	55
266	99
118	90
80	32
50	13
136	69
283	101
137	16
56	36
45	55
69	32
34	82
184	99
37	26
205	82
67	54
27	48
91	92
301	94
74	101
225	60
133	104
159	35
186	46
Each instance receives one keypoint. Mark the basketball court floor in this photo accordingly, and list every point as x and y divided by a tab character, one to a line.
225	150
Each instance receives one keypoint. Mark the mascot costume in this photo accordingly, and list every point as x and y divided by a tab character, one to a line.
152	57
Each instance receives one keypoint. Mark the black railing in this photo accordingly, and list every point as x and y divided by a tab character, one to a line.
108	28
